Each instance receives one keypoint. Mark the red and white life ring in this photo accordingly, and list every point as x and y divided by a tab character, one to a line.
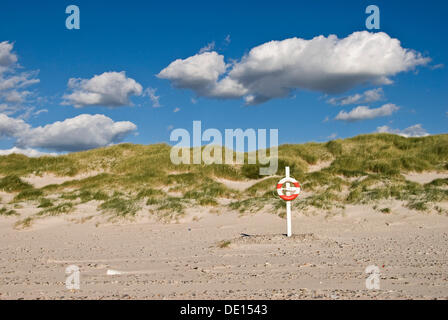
295	189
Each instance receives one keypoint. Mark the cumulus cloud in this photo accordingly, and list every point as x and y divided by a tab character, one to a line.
27	152
412	131
273	69
111	89
364	113
79	133
199	72
74	134
368	96
11	127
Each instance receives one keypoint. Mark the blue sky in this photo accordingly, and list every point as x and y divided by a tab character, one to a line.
142	38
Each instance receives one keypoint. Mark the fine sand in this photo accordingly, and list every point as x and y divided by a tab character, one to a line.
227	256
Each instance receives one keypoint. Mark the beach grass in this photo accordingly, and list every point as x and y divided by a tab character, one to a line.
365	169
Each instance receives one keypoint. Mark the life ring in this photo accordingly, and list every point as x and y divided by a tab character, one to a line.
295	189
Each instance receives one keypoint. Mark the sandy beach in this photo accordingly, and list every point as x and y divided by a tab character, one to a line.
162	150
227	256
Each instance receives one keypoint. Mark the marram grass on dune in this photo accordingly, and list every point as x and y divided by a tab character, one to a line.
126	179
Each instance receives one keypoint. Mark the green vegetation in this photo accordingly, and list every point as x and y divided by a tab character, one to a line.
385	210
366	169
5	212
85	195
438	183
120	206
65	207
28	194
172	205
45	203
23	224
150	193
252	205
224	244
417	196
12	183
207	193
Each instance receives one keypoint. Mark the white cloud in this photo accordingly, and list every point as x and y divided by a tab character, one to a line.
30	111
38	112
111	89
155	99
8	109
18	81
209	47
412	131
27	152
79	133
13	95
364	113
199	72
176	110
368	96
438	66
11	127
274	69
7	57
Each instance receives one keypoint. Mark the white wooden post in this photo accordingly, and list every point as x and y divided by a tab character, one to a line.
288	206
